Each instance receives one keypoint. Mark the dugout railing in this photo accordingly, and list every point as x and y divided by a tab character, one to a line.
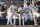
4	22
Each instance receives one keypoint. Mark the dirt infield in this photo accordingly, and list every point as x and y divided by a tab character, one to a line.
19	26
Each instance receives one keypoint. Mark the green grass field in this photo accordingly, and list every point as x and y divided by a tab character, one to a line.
19	26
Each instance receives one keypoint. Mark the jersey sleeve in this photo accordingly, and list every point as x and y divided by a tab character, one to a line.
19	10
30	8
10	7
24	8
16	9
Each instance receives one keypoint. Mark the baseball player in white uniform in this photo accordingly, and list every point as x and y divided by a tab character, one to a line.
9	18
13	9
21	10
27	11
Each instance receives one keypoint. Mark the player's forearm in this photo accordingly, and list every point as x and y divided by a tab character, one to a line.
31	11
10	10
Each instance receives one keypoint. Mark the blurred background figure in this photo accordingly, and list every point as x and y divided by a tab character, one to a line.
38	6
33	2
4	10
5	0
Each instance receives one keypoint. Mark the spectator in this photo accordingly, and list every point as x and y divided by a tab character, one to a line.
38	5
33	2
3	15
4	9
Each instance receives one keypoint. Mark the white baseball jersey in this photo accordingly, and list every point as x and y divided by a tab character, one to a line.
27	9
8	14
13	8
20	10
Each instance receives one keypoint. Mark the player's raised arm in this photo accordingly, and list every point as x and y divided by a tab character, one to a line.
31	10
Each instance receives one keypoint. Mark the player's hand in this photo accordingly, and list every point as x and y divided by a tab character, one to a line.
13	13
16	11
23	12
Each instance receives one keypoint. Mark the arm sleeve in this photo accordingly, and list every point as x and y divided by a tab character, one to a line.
10	7
16	9
30	8
19	10
25	9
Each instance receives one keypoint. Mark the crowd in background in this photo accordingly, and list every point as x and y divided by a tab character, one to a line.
10	0
3	11
37	4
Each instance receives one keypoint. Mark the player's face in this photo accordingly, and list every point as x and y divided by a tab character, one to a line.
14	4
28	5
23	6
